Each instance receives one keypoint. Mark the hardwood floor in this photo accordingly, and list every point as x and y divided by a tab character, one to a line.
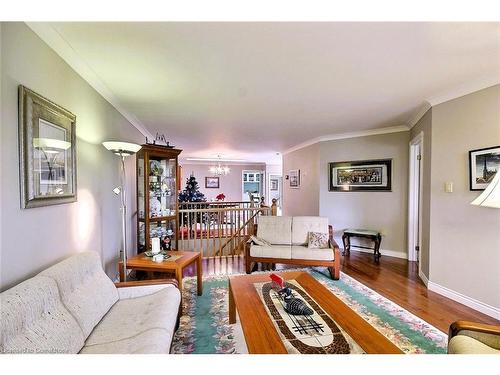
394	278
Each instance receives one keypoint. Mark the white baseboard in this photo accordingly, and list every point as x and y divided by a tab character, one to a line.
389	253
424	278
465	300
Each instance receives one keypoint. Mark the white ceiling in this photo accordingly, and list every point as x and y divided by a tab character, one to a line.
249	90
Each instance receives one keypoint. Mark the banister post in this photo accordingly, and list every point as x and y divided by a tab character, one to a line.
274	207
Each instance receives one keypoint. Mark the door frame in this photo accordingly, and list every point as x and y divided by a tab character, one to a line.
415	197
268	188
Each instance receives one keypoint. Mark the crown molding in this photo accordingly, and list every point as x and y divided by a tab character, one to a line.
361	133
464	89
422	110
55	41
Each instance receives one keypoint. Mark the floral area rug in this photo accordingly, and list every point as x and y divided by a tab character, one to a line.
205	329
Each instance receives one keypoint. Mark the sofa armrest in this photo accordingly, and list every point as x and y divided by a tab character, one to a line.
333	244
462	325
135	289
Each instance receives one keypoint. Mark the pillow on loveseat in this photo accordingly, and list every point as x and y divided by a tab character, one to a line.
259	241
317	240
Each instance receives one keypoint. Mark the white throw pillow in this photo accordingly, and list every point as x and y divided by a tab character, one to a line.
259	241
317	240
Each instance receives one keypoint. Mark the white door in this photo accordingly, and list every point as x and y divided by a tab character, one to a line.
415	199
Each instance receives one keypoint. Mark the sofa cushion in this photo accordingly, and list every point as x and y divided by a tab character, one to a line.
275	251
302	225
276	230
137	325
462	344
86	291
34	320
303	252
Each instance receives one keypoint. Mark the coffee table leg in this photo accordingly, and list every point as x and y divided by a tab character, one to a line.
199	276
232	307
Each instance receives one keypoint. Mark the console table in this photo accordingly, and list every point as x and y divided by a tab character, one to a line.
373	235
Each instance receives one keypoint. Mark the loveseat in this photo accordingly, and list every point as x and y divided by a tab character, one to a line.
287	243
466	337
73	307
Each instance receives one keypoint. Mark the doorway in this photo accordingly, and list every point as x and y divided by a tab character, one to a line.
415	198
252	183
275	190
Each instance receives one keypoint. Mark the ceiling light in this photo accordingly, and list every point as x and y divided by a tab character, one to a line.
219	170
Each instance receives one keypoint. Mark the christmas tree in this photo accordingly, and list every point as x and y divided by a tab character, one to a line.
192	193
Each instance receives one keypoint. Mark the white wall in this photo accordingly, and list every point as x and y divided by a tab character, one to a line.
382	211
465	239
305	199
33	239
230	185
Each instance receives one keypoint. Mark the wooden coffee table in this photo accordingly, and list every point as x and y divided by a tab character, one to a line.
141	262
260	333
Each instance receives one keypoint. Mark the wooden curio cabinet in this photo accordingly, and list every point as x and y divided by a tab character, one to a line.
157	207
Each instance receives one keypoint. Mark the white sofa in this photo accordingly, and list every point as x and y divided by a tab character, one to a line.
73	307
288	237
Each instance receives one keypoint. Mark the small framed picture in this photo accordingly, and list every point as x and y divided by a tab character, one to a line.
483	165
212	182
294	178
274	184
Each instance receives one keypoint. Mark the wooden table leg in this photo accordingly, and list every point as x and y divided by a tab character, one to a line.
178	276
347	244
232	307
378	240
199	278
120	270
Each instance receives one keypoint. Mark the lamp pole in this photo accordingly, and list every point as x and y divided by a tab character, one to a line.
123	209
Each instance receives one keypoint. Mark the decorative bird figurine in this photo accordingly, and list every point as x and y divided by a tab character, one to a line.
294	306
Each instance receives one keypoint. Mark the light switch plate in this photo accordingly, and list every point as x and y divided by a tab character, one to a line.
448	187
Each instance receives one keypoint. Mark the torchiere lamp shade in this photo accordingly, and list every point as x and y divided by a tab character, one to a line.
490	197
121	148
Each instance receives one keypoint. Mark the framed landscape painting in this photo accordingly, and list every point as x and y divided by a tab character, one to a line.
212	182
483	165
360	175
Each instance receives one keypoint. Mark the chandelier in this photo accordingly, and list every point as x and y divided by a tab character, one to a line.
219	170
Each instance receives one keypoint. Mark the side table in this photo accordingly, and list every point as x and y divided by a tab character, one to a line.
373	235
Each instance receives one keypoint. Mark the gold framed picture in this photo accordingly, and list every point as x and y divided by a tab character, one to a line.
47	151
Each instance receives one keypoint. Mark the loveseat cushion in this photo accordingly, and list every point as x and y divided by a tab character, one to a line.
462	344
276	230
34	320
302	252
137	325
86	291
274	251
302	225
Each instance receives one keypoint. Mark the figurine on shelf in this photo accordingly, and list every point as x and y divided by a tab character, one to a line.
293	305
167	241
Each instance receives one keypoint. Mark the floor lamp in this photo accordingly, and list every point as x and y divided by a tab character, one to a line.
122	149
490	197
